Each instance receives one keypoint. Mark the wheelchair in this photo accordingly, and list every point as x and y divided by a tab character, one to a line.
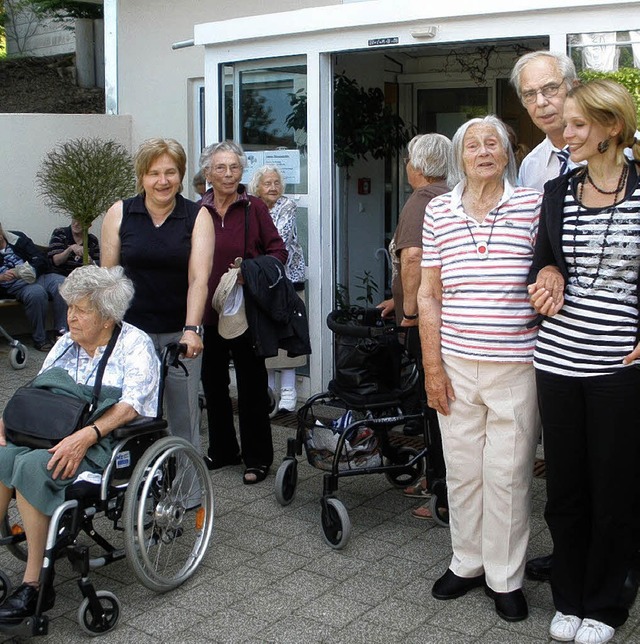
155	491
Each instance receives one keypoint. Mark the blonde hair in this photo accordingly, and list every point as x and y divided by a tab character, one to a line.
608	103
150	150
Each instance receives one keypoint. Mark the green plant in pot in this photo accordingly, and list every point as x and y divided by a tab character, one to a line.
83	177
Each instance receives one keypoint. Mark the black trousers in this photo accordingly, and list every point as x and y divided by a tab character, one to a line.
592	449
253	403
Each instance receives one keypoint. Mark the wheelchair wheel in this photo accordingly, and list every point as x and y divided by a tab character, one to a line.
18	356
99	624
336	525
5	587
286	481
411	475
164	539
12	525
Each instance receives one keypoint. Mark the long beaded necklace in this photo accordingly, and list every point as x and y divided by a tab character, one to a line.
612	210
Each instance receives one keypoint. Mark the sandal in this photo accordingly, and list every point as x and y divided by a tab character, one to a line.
253	475
419	489
422	512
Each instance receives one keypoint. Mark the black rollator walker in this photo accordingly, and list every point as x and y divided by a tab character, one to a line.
378	384
156	491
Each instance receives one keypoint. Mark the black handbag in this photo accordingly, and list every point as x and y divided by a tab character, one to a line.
40	418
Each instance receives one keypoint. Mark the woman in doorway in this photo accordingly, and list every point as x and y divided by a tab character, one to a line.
268	184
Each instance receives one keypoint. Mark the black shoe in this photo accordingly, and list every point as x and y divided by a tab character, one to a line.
45	346
22	604
450	586
512	606
216	463
413	427
539	568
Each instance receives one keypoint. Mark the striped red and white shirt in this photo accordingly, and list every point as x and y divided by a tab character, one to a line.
484	268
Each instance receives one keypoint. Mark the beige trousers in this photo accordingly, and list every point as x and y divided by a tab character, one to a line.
489	440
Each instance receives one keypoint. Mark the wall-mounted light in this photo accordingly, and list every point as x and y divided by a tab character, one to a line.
429	31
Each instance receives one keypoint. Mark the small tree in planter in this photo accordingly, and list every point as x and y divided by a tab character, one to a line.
83	177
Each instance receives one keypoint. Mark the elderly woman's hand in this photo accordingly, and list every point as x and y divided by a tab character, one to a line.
547	292
439	389
69	452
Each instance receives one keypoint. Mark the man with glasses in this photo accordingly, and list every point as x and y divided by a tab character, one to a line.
542	80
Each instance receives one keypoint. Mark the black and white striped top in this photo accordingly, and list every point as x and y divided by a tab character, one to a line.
596	328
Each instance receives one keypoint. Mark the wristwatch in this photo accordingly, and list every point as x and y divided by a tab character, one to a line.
196	329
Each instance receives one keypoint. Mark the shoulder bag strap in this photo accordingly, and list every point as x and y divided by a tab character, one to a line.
247	205
101	367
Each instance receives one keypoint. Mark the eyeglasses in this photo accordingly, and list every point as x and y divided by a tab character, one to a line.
548	91
222	169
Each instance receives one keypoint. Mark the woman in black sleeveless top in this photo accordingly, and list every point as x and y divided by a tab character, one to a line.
165	244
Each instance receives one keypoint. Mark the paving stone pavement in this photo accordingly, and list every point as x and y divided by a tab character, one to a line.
269	576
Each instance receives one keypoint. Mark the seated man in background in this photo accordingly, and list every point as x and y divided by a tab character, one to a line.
24	275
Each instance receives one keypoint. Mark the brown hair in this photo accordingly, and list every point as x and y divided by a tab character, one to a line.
150	150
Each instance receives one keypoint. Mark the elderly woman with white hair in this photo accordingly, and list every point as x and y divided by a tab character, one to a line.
243	230
268	184
97	300
477	351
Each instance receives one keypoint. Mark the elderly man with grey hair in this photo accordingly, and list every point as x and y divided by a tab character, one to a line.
542	80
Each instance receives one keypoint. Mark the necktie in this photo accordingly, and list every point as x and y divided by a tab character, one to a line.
563	158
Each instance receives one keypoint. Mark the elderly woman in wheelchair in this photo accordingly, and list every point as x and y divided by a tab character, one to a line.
40	479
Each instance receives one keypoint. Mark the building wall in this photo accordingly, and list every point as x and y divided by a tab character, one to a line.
154	82
25	139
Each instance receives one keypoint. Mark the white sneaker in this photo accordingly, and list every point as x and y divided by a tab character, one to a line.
592	631
564	627
288	399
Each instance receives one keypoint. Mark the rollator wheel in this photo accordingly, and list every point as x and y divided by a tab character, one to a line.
5	586
336	525
412	474
286	481
166	534
12	525
18	356
98	624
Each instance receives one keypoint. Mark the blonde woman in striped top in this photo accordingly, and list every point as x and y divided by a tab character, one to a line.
477	350
585	281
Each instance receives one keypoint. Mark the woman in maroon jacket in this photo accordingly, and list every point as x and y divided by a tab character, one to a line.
244	229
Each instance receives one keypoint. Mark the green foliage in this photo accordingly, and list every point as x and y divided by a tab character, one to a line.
83	177
628	77
61	9
341	297
369	286
363	124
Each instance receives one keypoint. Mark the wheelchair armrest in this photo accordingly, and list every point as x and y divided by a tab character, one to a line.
140	426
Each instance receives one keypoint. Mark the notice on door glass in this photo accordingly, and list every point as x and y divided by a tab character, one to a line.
287	161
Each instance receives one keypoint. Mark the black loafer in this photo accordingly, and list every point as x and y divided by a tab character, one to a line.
512	607
539	568
22	604
450	586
